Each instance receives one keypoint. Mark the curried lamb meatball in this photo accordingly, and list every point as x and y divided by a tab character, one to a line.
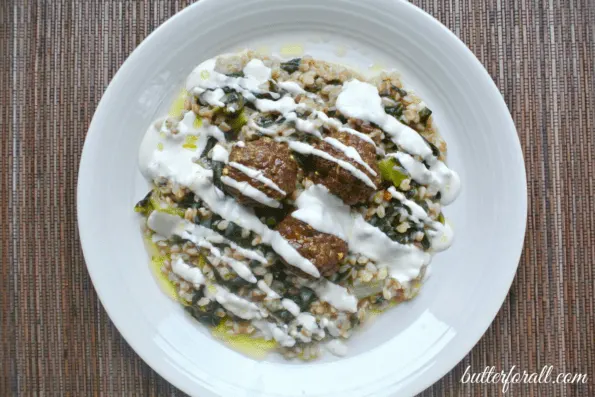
324	250
274	163
340	181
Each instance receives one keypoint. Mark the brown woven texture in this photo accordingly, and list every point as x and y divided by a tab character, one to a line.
57	58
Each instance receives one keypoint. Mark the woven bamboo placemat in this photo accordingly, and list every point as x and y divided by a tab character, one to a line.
57	57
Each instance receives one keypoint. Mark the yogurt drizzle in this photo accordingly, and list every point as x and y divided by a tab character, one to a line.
250	191
362	101
177	164
163	154
237	305
204	78
222	155
358	100
257	175
169	225
304	148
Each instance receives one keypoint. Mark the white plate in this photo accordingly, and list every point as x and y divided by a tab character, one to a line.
406	349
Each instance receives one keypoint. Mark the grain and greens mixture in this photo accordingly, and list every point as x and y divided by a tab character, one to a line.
293	198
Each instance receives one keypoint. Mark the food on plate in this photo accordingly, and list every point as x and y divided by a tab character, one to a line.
292	198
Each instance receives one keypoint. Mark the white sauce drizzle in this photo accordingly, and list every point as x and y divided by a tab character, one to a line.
418	214
156	238
164	224
210	130
204	77
257	70
283	105
186	127
361	100
239	306
303	125
250	191
295	89
229	209
254	255
328	214
264	287
330	326
240	268
335	123
166	149
292	87
235	304
438	177
336	296
213	98
291	306
308	323
200	237
441	237
263	130
350	152
168	225
189	273
220	154
272	331
173	163
257	175
304	148
256	73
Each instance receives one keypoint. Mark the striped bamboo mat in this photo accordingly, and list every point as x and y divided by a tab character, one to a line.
58	56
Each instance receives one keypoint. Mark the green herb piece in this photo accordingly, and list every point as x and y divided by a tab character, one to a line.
238	121
291	65
424	115
395	111
390	171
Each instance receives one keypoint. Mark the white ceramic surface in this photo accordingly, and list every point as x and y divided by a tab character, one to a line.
404	350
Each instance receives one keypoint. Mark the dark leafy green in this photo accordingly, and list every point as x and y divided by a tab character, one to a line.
210	143
307	296
395	111
204	314
189	201
402	92
235	74
234	102
217	172
425	242
266	120
284	315
435	150
291	65
233	231
144	206
424	115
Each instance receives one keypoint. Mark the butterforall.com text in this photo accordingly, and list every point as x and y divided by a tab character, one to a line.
515	376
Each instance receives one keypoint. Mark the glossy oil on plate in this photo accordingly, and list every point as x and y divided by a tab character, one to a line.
404	350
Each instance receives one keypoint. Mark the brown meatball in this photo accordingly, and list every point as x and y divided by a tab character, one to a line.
273	159
324	250
338	180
